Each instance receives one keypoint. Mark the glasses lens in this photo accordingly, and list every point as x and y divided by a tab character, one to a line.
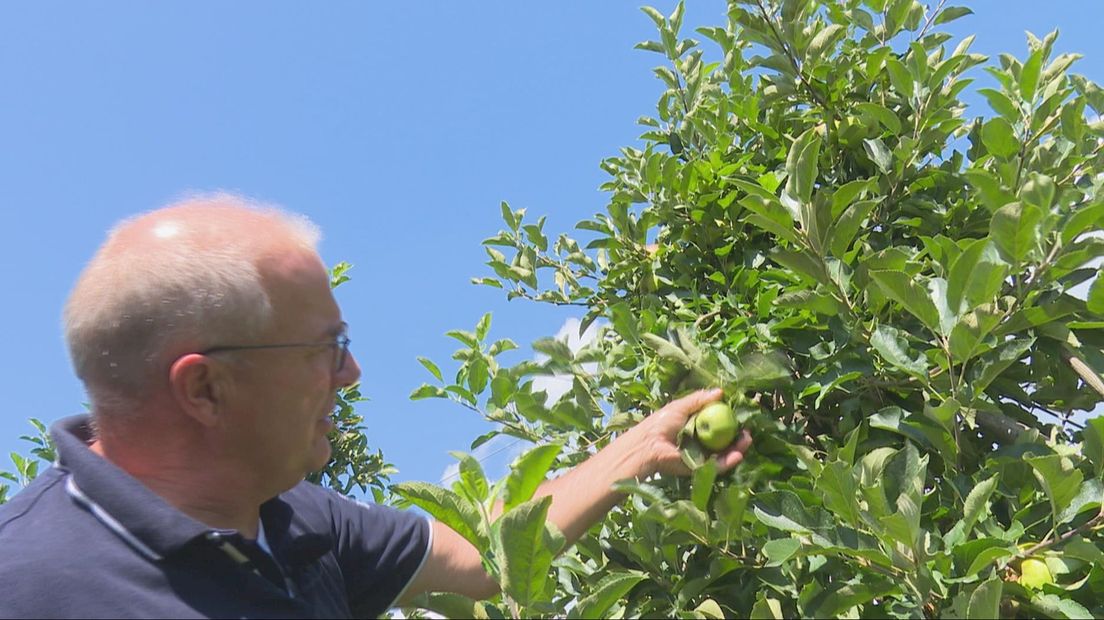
342	352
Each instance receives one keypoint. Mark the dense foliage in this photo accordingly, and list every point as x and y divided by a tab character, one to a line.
813	223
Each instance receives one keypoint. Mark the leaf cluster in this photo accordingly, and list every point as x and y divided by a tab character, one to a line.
812	186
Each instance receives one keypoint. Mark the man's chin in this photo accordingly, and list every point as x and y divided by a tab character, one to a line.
323	457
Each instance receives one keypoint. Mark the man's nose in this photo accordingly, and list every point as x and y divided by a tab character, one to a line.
350	372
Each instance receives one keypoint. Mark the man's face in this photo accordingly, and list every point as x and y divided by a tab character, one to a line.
283	398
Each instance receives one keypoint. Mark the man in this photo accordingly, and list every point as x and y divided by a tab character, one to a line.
211	348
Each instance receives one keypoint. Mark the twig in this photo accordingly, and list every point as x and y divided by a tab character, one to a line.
704	317
931	19
1077	169
793	60
1047	544
526	295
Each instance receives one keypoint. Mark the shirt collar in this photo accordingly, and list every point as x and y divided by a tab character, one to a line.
124	505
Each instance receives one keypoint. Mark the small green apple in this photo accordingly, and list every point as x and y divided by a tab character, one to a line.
1034	573
715	426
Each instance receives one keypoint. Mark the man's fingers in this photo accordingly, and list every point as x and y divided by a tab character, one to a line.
734	454
693	402
744	441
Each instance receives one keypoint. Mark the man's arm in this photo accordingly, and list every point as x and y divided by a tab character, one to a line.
581	497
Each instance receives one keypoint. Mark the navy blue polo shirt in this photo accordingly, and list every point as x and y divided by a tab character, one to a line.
87	540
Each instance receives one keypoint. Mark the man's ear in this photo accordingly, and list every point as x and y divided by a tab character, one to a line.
198	385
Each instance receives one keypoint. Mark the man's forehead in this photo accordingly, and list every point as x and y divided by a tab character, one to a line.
299	286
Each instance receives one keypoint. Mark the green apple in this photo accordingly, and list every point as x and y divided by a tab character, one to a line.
1034	573
715	426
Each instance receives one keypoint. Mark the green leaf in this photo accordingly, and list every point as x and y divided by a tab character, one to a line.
1084	219
761	370
1038	192
557	350
1095	299
1059	479
1081	549
801	166
971	328
879	153
702	486
951	13
681	516
837	486
800	263
848	226
624	321
651	46
428	391
976	502
710	609
811	300
1093	444
483	326
449	605
1029	74
652	493
783	231
976	277
657	17
848	193
816	602
1041	314
665	349
779	550
985	600
1000	103
882	114
999	138
478	373
992	364
610	589
502	346
974	556
989	188
528	472
766	608
472	477
527	546
891	344
825	41
448	508
1015	228
1089	496
901	288
431	367
937	292
1058	607
785	511
899	77
466	337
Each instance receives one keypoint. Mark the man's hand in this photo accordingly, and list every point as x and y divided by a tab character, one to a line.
657	434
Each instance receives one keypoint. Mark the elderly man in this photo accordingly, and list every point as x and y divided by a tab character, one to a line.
211	348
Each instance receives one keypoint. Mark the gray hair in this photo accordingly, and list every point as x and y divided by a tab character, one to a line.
178	279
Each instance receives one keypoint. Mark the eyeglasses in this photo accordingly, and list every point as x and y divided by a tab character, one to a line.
340	344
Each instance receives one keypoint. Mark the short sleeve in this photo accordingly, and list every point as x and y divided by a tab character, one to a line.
380	550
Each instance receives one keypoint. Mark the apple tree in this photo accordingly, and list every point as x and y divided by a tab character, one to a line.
902	300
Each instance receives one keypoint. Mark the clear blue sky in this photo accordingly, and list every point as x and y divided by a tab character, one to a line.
397	127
